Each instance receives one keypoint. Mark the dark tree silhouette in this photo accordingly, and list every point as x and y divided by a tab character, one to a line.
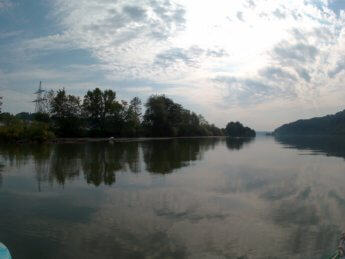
236	129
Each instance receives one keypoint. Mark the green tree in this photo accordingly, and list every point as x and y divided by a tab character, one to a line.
163	117
132	117
6	117
103	112
41	117
25	116
160	116
66	114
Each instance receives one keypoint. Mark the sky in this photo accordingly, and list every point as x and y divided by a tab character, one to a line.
262	62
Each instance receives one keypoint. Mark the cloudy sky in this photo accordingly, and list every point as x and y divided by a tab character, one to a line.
263	62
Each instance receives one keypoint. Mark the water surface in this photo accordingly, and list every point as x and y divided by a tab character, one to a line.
181	198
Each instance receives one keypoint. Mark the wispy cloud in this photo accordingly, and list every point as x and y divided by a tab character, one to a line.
5	4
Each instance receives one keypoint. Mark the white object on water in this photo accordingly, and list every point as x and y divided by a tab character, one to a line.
4	253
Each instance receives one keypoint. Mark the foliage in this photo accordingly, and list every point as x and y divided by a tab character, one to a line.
327	125
132	118
100	114
40	116
236	129
66	113
0	104
17	130
164	118
161	116
6	118
25	116
104	113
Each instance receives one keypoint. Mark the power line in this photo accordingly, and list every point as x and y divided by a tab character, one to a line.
40	101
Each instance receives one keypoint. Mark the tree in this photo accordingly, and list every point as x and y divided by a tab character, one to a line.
135	106
163	117
41	117
132	117
160	116
103	111
236	129
6	117
48	100
66	113
24	116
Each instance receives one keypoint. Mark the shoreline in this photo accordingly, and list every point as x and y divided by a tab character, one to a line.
120	140
110	140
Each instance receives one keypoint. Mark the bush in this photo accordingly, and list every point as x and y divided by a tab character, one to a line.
18	130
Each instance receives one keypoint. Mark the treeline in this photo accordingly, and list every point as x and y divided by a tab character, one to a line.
100	114
100	162
327	125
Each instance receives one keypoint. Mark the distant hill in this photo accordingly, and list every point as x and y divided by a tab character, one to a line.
327	125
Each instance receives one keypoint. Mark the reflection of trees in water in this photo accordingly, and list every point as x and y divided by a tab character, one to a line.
99	162
237	143
1	169
64	163
332	146
19	155
164	156
61	162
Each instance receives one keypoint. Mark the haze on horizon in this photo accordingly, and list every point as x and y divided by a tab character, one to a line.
262	62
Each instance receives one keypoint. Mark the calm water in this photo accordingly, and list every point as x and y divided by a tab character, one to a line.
186	198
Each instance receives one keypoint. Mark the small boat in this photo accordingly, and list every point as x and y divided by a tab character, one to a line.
4	252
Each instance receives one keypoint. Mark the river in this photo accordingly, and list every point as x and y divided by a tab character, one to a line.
174	198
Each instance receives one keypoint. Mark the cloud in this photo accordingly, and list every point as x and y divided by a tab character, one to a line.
251	4
337	6
136	13
303	73
62	41
170	17
192	57
158	20
9	34
250	91
5	4
340	66
217	53
188	57
124	35
279	14
299	52
277	74
239	16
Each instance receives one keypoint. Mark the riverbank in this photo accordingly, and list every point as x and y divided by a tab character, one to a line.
113	140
